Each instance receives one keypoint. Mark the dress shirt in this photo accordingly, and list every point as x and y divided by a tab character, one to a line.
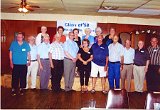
33	52
71	47
43	50
115	52
128	55
57	51
154	55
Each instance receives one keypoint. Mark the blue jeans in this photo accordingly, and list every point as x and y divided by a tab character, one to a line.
114	74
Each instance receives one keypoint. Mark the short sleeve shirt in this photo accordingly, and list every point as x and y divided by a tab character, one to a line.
19	52
100	52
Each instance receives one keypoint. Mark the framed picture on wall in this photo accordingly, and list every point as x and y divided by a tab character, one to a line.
16	33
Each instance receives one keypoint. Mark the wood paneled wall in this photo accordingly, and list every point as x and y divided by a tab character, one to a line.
12	26
31	28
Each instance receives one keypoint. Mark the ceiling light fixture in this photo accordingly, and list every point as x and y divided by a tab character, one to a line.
24	10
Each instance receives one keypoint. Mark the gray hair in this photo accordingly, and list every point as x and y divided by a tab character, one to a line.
98	29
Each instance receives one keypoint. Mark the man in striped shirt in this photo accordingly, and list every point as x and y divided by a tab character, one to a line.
153	74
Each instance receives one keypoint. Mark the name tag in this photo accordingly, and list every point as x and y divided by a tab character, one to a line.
102	47
155	50
23	50
142	51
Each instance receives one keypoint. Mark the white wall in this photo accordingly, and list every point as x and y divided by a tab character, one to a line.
99	19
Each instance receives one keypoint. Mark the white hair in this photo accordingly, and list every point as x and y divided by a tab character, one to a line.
98	29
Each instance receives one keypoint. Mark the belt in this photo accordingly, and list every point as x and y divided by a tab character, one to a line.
44	58
128	64
67	58
32	60
139	65
115	62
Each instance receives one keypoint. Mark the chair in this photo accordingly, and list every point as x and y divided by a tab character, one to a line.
153	97
117	98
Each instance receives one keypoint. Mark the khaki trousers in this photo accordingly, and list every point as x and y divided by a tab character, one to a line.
139	75
126	74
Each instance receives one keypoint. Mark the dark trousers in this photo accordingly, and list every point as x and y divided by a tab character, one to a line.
84	75
19	74
153	78
56	74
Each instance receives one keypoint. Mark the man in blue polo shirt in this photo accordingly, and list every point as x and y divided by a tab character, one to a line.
98	65
19	51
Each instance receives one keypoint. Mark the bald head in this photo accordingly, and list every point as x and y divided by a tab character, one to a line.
140	44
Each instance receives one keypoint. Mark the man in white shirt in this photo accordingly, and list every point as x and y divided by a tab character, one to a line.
39	38
126	73
116	57
33	67
56	61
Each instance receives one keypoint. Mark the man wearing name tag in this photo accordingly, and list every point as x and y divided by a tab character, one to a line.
19	51
141	62
115	64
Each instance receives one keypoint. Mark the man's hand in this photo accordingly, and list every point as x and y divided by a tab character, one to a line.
28	63
52	66
121	68
74	60
145	69
105	68
41	67
11	65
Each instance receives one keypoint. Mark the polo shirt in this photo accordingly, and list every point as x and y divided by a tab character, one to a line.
141	56
99	54
19	52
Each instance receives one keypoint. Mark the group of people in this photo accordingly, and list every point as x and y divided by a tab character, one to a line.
93	56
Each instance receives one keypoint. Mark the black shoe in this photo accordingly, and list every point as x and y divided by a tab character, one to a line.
13	93
62	90
21	92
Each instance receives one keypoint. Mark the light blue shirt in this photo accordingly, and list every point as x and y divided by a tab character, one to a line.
33	52
71	47
90	38
43	50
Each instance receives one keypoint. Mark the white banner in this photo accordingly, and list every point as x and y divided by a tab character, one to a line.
81	25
